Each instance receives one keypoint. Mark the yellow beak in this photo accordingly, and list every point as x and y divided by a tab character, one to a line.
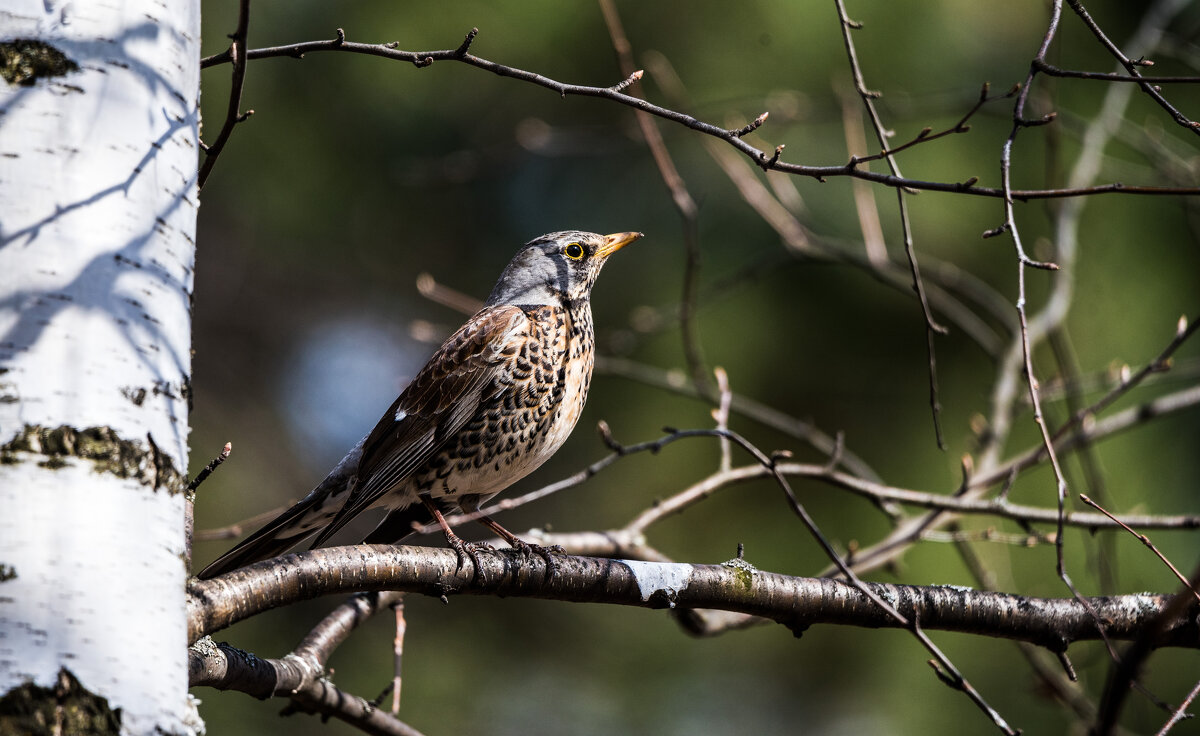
615	242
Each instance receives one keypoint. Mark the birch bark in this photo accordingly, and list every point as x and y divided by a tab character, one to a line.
98	150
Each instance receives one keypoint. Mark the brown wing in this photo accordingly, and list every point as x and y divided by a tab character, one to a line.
438	402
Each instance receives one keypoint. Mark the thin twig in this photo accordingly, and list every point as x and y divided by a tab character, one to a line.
932	326
1141	538
888	549
213	464
761	158
1123	672
1166	10
233	113
742	405
1180	713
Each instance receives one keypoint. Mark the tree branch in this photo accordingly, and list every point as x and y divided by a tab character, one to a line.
792	601
422	59
226	667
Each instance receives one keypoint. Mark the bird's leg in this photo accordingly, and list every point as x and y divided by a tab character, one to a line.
525	548
465	550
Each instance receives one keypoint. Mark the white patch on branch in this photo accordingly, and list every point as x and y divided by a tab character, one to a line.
669	578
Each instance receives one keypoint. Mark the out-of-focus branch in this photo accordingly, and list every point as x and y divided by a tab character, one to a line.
998	507
684	204
932	326
802	242
742	405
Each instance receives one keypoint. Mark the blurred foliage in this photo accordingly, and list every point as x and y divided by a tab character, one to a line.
355	174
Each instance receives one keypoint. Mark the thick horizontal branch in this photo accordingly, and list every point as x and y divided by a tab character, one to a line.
761	158
734	586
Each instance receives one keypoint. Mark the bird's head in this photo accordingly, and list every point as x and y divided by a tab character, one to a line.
558	268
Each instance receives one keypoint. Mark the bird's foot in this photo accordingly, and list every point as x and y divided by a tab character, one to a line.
527	549
466	551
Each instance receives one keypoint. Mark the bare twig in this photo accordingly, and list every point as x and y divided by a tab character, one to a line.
1164	11
1180	713
233	113
1124	671
189	509
398	651
720	415
1000	508
887	550
742	405
932	326
1141	538
758	156
212	465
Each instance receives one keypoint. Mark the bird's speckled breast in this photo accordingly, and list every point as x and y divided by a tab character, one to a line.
528	413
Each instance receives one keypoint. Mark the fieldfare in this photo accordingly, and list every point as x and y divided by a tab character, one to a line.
492	404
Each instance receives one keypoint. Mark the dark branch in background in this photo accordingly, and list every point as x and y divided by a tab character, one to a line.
233	115
684	204
795	602
423	59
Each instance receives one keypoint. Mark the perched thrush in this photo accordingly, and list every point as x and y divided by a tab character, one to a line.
491	405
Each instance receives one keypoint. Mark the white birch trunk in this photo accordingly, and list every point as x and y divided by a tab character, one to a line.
97	222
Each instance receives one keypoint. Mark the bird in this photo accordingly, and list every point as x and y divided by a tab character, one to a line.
493	403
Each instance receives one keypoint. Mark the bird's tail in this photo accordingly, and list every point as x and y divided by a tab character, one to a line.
310	514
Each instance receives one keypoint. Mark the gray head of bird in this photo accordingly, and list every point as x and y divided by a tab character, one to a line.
557	269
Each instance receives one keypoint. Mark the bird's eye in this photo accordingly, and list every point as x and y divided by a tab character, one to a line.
574	251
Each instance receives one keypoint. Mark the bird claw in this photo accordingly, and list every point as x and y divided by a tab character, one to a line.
467	551
527	550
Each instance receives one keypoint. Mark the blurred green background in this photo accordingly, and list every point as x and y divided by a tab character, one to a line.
356	174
